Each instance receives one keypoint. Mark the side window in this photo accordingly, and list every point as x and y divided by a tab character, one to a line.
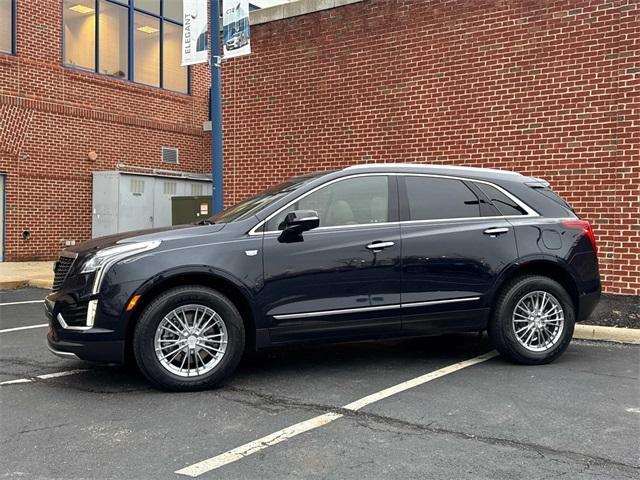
355	201
433	198
504	204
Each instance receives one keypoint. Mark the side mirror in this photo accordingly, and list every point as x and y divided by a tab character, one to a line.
300	221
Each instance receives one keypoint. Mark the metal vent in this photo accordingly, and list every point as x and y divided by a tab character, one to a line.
169	155
137	186
170	188
196	189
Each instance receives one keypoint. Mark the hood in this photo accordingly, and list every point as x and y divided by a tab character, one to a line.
162	233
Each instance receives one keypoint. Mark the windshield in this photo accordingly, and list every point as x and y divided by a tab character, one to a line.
252	205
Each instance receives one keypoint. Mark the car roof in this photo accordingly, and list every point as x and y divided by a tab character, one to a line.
451	170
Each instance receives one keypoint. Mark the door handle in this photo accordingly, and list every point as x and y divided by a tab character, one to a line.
379	246
496	231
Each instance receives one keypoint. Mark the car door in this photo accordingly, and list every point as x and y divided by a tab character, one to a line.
343	278
454	247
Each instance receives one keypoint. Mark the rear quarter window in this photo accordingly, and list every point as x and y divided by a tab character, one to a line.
505	205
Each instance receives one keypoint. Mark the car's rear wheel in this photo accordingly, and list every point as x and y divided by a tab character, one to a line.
533	320
188	338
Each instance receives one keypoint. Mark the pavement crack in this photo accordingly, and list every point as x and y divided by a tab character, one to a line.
264	399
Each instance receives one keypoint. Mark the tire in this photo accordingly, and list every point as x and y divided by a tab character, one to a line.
148	333
503	323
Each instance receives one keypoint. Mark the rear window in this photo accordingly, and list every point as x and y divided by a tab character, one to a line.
550	194
505	205
439	198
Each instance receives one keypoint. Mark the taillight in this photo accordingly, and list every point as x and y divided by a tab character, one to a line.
585	227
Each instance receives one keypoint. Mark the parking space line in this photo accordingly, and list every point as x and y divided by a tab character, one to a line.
250	448
21	303
16	329
46	376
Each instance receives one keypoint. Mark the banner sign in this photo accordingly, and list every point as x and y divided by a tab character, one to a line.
194	32
235	28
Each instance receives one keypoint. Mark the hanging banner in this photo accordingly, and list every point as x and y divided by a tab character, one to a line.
194	32
235	28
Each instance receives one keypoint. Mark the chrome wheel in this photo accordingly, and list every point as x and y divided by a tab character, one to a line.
538	321
191	340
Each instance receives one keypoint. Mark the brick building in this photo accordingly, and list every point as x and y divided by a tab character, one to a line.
548	88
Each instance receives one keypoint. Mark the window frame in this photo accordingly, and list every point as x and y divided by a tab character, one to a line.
469	182
392	211
131	11
13	5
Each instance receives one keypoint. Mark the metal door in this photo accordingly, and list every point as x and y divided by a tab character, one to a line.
136	203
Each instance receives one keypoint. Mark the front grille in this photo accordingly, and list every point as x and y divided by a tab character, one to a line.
61	270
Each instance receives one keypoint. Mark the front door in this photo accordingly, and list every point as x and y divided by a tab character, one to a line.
453	250
343	278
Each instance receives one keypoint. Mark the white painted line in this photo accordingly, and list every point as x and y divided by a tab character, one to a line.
15	329
46	376
401	387
257	445
250	448
21	303
633	410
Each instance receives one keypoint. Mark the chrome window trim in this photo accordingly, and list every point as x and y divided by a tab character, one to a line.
530	211
342	311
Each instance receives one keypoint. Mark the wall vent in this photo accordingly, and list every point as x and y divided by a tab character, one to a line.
169	155
196	189
137	186
170	188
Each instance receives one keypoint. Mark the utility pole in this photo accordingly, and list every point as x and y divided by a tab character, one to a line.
216	109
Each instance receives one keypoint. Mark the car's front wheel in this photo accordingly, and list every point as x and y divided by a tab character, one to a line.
188	338
533	320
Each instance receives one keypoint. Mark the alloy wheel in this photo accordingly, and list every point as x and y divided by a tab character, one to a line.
538	321
191	340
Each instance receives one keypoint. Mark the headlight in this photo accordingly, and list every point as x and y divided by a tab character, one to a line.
119	251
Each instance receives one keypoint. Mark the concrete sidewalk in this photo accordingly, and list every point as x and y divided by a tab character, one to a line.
26	274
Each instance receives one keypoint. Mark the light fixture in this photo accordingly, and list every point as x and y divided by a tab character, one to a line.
148	29
81	9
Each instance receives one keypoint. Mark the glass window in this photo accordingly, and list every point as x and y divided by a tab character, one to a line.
504	204
175	77
433	198
6	26
153	49
113	39
172	10
80	33
146	53
355	201
151	6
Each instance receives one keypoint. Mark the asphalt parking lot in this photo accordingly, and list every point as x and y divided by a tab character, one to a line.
578	417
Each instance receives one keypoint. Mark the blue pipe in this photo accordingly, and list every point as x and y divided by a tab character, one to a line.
216	109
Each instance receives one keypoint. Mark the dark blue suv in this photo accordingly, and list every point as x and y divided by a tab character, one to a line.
367	252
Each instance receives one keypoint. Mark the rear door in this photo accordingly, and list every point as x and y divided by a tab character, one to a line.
454	246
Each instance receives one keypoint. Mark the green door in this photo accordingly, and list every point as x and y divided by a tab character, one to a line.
190	209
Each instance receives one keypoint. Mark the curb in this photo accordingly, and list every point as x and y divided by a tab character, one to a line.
608	334
34	283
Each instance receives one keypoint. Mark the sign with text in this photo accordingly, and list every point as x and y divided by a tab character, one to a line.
235	28
194	32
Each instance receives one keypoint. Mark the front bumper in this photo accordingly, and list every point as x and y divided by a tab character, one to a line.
91	344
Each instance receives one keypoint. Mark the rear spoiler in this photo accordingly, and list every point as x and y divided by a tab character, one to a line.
537	183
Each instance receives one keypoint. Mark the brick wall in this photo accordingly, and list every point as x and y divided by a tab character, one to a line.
546	88
51	117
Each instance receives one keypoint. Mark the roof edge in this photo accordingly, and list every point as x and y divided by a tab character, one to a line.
295	9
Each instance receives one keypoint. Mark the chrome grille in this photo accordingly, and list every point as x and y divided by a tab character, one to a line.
61	270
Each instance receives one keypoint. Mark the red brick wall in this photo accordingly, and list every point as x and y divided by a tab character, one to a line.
546	88
51	117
